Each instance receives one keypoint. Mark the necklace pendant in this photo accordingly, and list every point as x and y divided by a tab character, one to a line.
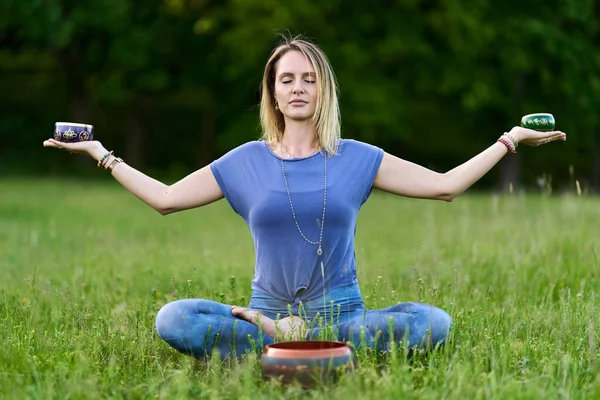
319	251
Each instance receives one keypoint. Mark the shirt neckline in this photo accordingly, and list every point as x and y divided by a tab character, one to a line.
288	159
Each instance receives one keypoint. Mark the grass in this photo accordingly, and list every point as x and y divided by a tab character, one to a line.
85	267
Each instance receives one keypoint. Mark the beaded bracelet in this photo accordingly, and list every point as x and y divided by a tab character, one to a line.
512	138
510	145
101	161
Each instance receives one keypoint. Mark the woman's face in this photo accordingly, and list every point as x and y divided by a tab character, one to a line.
296	89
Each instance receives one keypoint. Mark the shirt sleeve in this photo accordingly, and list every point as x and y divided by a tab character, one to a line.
228	170
368	159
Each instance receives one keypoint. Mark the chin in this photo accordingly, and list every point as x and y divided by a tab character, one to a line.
296	116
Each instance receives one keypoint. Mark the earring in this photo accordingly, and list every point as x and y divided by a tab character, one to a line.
276	106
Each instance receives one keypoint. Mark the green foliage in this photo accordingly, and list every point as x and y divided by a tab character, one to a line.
433	81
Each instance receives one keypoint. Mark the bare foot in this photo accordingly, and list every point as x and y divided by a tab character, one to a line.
288	328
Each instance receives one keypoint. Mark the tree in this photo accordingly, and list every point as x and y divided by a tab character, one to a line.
112	53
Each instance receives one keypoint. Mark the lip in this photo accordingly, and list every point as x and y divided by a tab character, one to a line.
298	101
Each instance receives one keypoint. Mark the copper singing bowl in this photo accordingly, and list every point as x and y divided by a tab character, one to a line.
306	362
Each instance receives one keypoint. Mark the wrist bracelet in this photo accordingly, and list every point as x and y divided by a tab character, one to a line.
104	158
508	143
113	164
512	138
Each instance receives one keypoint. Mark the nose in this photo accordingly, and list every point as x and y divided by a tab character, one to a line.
298	88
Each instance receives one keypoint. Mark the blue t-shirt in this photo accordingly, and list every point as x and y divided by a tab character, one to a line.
287	266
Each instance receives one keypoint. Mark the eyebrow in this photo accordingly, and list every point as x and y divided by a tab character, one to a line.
311	74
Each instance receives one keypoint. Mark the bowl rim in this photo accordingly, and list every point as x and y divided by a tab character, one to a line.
307	349
74	124
538	115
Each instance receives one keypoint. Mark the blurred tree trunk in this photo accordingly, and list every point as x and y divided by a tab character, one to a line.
80	102
134	135
510	166
207	137
510	172
596	165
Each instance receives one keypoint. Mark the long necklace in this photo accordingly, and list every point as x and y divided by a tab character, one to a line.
319	249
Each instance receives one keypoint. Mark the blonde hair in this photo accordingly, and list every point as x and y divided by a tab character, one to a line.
327	113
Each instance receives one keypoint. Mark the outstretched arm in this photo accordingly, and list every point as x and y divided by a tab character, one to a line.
411	180
195	190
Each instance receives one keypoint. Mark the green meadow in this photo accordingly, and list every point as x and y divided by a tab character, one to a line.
86	266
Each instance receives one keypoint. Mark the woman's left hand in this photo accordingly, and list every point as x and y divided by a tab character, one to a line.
288	328
532	137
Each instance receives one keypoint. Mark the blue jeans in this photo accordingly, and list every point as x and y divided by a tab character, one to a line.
198	327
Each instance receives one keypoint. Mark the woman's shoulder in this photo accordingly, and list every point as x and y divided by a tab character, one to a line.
356	147
250	148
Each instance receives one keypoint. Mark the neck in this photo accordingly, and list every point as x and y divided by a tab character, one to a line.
299	138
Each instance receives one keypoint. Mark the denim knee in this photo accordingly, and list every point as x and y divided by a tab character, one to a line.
192	325
441	324
169	318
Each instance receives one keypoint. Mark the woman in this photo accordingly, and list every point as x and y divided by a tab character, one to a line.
299	189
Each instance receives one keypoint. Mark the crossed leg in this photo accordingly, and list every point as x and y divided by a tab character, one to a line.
414	324
197	327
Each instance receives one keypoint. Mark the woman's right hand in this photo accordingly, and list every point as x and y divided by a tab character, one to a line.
531	137
92	148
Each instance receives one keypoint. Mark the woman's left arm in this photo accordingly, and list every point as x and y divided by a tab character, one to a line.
404	178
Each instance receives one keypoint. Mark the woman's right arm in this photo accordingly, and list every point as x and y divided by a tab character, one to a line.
195	190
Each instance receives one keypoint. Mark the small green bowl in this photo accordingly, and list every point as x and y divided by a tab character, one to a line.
540	122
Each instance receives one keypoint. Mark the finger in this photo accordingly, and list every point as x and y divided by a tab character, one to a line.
556	136
56	143
70	147
247	315
51	143
250	316
235	310
240	311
